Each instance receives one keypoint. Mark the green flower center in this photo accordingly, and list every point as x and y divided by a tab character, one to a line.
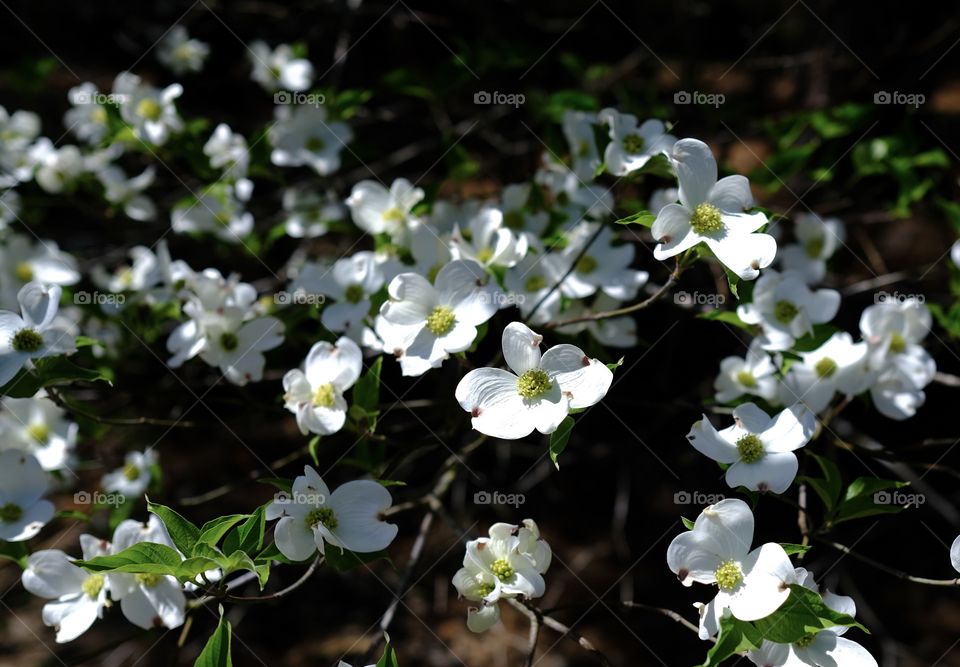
784	311
483	590
501	569
24	272
322	515
441	320
149	109
92	585
39	433
99	115
706	219
10	512
897	344
324	396
222	218
513	219
750	448
586	264
747	379
583	148
131	472
729	575
147	579
806	640
315	144
535	283
393	214
533	383
814	247
229	341
825	367
633	144
27	340
354	293
484	255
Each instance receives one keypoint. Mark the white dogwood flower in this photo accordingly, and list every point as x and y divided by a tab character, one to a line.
127	193
712	212
604	266
537	392
758	449
631	146
752	584
377	210
303	136
134	477
488	241
279	69
181	53
23	260
86	118
219	210
23	481
315	394
34	334
752	374
39	426
837	366
149	111
578	129
228	150
77	597
435	321
817	239
786	309
311	517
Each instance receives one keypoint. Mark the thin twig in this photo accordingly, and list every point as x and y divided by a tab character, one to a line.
55	396
899	574
606	314
669	613
563	629
284	591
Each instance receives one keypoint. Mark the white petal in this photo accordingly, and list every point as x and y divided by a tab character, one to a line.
767	571
483	618
789	430
584	381
521	347
696	170
358	506
774	472
412	298
745	254
731	194
50	574
39	303
490	396
672	229
705	439
294	539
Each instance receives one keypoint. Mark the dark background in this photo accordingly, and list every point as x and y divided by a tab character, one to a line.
609	511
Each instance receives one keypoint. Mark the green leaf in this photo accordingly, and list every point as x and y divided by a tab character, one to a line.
248	536
15	551
559	439
727	316
183	533
278	482
688	523
143	557
217	651
803	613
829	486
213	531
389	657
614	366
366	392
792	549
735	637
312	448
644	218
343	561
866	496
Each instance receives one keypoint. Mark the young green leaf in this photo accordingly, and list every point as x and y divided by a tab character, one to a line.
559	439
183	533
216	653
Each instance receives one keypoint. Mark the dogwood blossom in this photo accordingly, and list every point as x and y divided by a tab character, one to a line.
18	129
128	192
219	210
827	648
509	563
578	129
279	69
537	392
146	600
133	479
433	321
752	584
77	597
303	136
39	426
33	334
757	449
228	150
351	282
609	331
533	281
315	394
57	168
181	53
753	374
487	241
149	111
839	365
377	210
604	266
311	517
786	309
817	240
23	481
86	118
712	212
631	145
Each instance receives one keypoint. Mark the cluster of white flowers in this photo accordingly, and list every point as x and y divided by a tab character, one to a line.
509	563
39	426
